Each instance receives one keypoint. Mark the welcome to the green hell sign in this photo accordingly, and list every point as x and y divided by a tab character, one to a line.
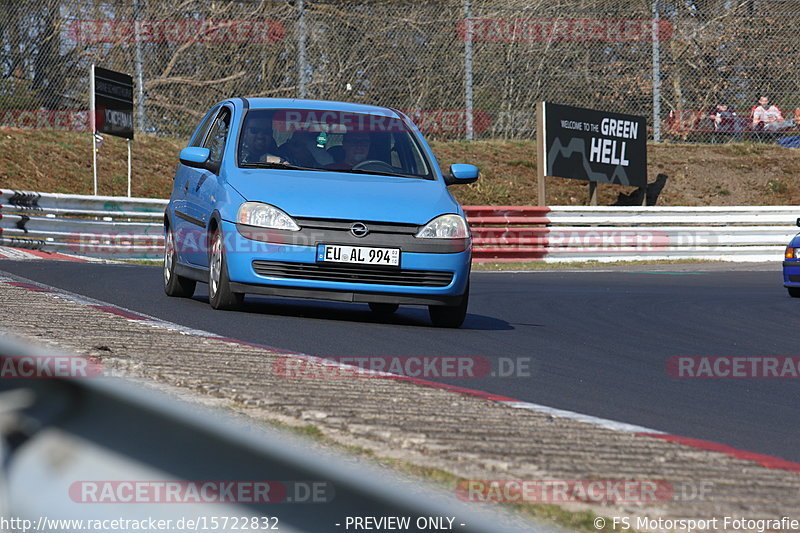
605	149
594	145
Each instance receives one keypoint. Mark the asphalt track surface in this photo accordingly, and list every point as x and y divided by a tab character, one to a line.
599	341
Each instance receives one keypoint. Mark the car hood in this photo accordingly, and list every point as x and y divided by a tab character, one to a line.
340	195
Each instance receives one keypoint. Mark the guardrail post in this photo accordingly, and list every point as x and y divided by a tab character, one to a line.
541	155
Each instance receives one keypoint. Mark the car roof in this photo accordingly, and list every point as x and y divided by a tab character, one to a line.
326	105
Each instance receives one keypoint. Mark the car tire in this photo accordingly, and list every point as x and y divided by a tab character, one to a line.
450	316
794	292
384	309
175	285
220	295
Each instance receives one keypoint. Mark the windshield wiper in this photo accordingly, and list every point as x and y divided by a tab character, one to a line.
281	166
375	172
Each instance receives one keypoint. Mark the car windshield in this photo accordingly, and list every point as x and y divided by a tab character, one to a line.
308	139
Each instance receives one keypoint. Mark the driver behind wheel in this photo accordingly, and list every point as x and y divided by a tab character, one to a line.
356	146
258	144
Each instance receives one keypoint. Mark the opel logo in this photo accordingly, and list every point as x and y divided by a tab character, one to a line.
359	229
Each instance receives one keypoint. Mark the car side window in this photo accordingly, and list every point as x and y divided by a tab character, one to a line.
200	134
218	135
407	155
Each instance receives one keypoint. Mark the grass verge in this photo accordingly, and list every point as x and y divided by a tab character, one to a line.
699	174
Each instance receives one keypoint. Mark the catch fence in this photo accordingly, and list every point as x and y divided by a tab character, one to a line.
462	69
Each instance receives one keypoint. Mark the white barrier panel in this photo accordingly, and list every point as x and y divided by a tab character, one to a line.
611	233
125	228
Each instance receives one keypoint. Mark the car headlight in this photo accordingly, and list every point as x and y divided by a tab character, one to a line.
445	227
792	253
265	216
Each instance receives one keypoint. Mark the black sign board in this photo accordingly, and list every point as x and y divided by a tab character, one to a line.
592	145
113	103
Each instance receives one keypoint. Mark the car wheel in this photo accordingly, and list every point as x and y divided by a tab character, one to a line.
450	316
175	285
380	308
794	292
220	295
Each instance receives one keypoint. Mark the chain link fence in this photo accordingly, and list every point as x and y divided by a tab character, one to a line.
462	69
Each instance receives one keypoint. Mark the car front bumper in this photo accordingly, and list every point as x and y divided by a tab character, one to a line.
242	252
791	273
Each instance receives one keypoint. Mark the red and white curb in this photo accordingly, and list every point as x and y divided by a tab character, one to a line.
20	254
766	461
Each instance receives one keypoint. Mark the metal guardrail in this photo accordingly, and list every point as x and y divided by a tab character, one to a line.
61	437
97	226
584	233
123	228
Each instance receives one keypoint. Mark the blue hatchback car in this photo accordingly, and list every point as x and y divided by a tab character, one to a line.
791	266
315	199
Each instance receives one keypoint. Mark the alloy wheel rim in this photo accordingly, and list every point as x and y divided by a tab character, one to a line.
216	265
168	250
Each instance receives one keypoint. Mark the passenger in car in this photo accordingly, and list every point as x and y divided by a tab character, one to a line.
356	147
302	150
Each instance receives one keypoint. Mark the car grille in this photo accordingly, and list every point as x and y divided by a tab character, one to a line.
353	274
344	226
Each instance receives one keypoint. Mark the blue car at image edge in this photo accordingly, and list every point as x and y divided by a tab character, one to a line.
316	199
791	266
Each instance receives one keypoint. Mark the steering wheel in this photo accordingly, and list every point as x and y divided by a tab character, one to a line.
383	166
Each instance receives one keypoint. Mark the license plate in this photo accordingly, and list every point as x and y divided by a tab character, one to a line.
361	255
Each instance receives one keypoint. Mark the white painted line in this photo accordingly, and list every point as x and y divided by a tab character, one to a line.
561	413
16	253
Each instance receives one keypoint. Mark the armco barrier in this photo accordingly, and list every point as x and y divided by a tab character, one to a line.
122	228
62	435
584	233
97	226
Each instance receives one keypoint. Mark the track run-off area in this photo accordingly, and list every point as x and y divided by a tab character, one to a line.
600	342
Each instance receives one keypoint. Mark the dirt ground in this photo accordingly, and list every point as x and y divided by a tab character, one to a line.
698	174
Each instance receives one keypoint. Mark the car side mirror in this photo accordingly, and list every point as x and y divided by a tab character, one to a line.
197	157
797	222
462	173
